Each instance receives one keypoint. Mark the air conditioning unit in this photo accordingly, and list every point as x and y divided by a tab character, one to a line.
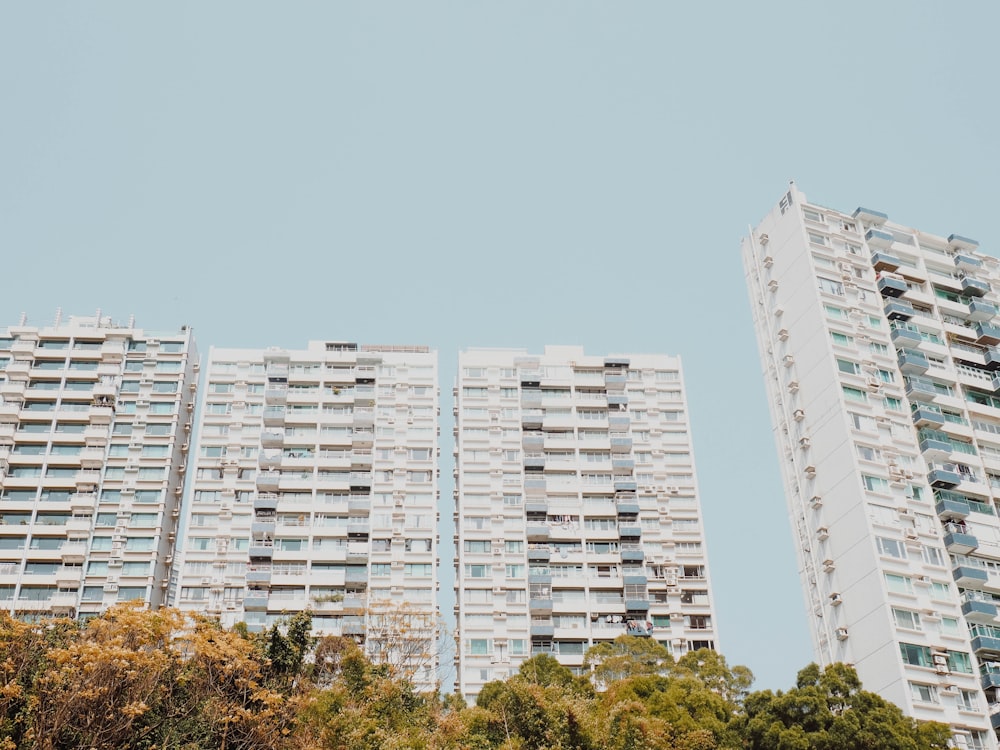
788	360
772	285
828	566
823	533
911	534
836	600
783	334
768	260
816	502
763	239
841	634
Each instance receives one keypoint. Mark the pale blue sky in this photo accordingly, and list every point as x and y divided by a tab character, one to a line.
489	174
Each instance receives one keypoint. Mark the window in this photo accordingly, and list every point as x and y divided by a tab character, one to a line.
918	656
898	584
841	339
904	618
875	484
854	394
851	368
830	286
891	548
923	693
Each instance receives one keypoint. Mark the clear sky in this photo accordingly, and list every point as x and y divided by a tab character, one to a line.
489	174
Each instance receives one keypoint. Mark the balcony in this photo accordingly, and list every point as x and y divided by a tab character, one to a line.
265	502
959	243
912	362
870	216
889	286
362	437
626	485
637	605
274	416
540	606
261	550
979	611
101	414
255	600
621	444
629	531
618	421
960	542
92	458
534	461
258	575
622	462
920	389
903	335
980	310
79	525
987	334
268	481
263	526
982	643
358	528
885	262
966	575
533	442
534	484
878	239
628	507
82	502
73	552
364	416
269	460
272	438
951	506
540	553
357	552
973	287
614	380
542	629
935	445
634	554
899	309
991	359
943	477
275	395
531	419
990	680
537	532
356	575
927	416
617	400
9	412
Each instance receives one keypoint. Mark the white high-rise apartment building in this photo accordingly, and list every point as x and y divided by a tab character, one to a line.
577	509
879	345
315	488
94	424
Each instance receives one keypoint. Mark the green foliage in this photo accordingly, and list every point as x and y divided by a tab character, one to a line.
829	710
627	656
139	680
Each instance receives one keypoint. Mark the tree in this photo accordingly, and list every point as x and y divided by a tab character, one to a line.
626	656
405	638
829	710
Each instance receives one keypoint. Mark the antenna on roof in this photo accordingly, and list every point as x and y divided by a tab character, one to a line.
58	316
24	319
